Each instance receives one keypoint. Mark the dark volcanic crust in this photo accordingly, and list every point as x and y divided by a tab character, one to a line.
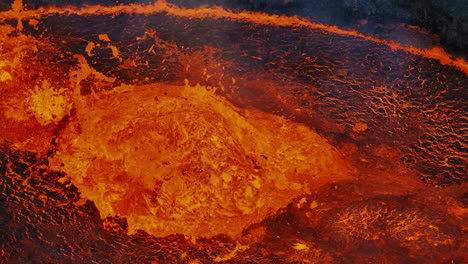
445	18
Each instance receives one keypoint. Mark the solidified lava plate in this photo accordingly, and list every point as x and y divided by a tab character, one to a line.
159	134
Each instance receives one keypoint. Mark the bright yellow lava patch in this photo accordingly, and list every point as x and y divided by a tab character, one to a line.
47	104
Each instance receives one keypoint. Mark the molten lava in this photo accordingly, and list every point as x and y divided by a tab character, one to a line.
183	160
160	134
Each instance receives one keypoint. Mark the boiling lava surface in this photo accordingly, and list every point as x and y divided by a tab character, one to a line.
158	134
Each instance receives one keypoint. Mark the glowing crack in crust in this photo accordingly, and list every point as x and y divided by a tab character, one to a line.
176	159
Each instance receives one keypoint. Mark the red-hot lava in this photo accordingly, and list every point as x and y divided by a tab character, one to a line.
158	134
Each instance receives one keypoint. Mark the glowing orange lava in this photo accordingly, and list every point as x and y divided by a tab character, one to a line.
170	156
183	160
171	159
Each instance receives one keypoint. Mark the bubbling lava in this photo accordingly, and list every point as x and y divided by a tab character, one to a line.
175	159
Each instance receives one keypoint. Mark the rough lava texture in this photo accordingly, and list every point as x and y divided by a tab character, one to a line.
397	117
183	160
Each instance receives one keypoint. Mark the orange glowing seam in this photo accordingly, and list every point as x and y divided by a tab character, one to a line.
436	53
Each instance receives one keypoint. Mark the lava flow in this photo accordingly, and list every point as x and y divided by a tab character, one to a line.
161	134
182	160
